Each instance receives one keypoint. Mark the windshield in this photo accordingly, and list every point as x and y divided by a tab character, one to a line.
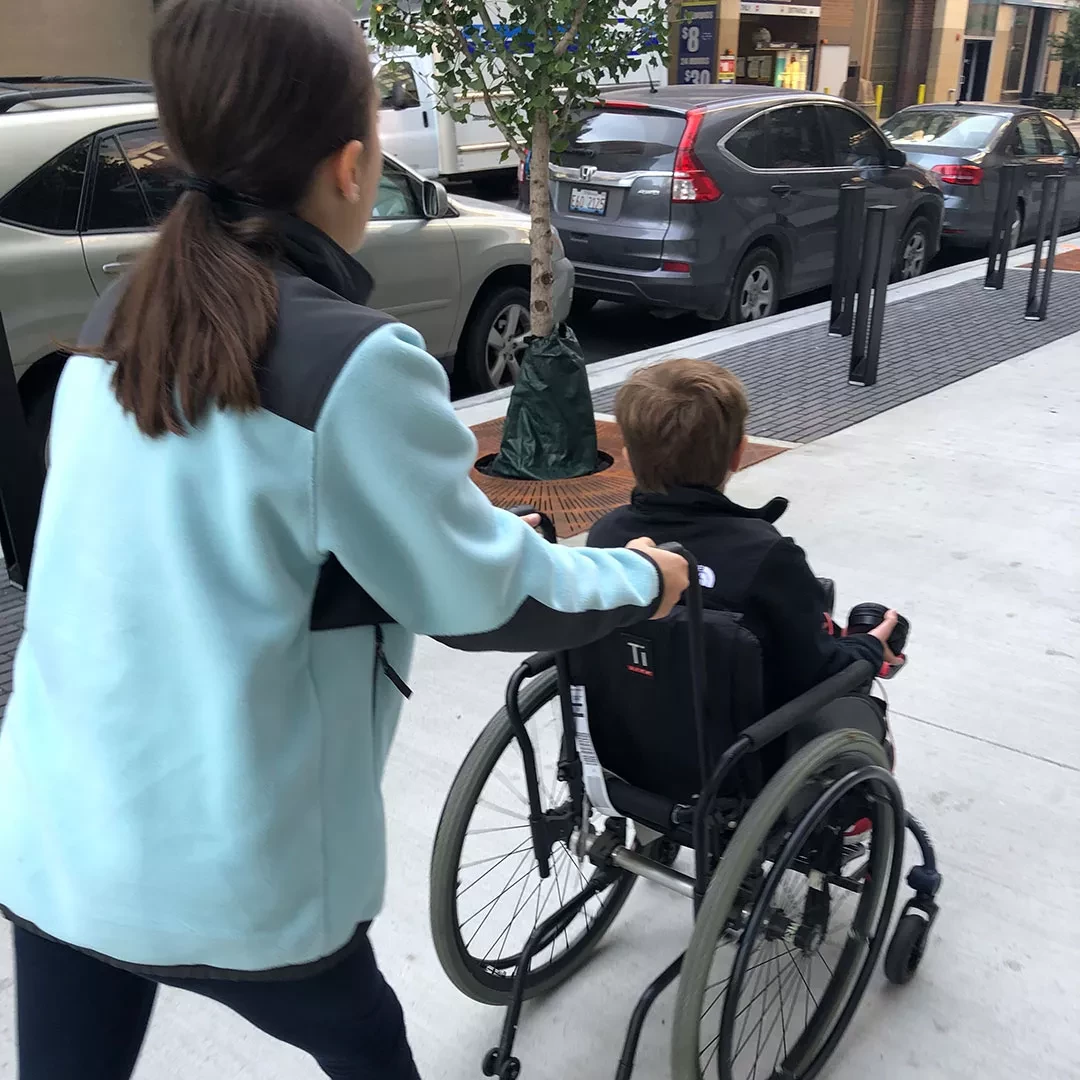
624	141
945	127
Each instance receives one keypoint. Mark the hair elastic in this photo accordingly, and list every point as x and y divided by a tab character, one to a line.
217	193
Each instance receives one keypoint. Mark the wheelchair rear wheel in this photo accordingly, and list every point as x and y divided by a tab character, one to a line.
487	895
794	919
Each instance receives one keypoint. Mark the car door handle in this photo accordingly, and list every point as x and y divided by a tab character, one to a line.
117	267
425	116
781	189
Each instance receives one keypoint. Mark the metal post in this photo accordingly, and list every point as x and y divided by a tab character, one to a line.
849	231
21	475
1004	216
1052	193
873	288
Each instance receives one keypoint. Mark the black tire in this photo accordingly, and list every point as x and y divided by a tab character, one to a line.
739	898
489	979
582	303
912	256
755	289
478	352
906	948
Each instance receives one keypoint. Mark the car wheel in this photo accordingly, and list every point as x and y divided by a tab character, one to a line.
756	290
493	342
913	251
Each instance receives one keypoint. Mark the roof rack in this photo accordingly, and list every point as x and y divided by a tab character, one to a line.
14	89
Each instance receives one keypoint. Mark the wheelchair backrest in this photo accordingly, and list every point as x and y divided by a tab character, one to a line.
640	711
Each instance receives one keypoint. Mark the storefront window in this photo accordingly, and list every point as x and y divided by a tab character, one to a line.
981	18
1014	58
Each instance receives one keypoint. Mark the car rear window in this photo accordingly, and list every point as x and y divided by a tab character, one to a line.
945	127
617	140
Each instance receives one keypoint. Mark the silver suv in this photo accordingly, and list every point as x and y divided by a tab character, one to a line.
85	174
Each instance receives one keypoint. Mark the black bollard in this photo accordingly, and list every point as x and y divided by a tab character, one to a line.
1053	193
20	475
877	257
1004	216
849	230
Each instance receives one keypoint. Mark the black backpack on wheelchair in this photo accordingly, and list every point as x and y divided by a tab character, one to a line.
603	765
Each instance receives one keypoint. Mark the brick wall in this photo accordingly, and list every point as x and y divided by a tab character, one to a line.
75	37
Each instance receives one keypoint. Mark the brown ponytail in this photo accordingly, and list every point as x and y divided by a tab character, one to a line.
253	95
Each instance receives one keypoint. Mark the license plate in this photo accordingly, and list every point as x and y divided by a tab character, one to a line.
588	201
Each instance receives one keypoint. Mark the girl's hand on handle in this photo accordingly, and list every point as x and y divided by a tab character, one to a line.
674	569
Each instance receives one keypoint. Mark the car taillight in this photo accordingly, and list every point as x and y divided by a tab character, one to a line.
675	266
690	182
968	175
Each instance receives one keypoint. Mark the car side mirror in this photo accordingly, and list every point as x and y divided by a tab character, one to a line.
399	97
436	200
895	159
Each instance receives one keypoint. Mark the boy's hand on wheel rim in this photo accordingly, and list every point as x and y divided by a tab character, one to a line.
882	632
674	569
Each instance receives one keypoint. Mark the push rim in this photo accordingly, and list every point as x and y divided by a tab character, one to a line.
733	892
803	948
485	868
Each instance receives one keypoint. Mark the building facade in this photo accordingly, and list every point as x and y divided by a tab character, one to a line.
972	50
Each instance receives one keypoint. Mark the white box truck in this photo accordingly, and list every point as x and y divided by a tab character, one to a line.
426	138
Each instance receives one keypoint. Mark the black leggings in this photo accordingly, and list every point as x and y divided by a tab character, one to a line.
81	1019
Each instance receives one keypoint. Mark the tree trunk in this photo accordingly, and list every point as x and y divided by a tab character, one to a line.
541	313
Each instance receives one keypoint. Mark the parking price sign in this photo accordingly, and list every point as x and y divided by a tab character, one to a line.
697	43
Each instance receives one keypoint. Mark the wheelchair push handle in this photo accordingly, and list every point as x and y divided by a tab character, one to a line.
546	526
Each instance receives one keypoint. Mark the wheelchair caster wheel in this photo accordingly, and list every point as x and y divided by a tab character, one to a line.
511	1068
906	948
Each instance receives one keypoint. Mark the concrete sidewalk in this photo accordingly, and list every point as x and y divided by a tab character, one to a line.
962	509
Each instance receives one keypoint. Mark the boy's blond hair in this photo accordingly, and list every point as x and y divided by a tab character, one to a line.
682	422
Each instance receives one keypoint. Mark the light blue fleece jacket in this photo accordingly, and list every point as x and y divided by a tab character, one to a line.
189	775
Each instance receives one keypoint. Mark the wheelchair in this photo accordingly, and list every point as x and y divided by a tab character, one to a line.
605	765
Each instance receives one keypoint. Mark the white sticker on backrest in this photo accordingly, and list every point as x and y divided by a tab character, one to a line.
591	769
706	576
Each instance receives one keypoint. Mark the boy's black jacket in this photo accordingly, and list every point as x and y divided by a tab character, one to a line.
750	569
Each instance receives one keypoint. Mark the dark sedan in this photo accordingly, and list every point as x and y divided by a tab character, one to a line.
967	144
723	200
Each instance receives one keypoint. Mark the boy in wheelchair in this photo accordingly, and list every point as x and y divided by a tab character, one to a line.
683	424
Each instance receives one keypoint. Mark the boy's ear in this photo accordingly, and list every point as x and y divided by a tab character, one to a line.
740	451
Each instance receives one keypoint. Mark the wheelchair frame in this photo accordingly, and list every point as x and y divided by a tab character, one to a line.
607	854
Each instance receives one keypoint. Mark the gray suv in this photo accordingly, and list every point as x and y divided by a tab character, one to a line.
723	200
85	174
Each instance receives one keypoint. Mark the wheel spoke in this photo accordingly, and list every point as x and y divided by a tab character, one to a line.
502	810
525	846
497	369
501	777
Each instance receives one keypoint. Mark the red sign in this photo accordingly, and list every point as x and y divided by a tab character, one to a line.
725	69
